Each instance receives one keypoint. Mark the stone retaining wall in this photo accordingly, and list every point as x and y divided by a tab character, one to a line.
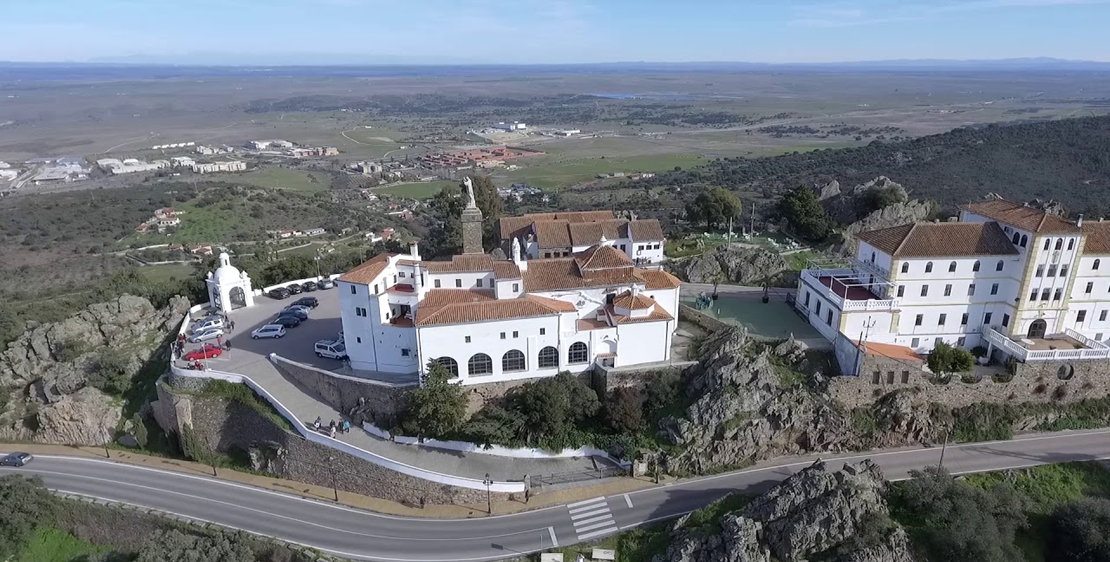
701	319
380	404
225	426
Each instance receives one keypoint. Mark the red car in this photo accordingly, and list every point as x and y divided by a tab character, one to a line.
207	352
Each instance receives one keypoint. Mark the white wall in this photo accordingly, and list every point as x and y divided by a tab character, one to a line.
870	254
642	342
468	280
485	337
667	298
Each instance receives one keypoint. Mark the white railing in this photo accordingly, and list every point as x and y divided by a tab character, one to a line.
874	268
814	275
1087	342
886	304
1022	353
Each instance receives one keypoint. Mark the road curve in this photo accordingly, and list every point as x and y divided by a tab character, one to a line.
363	535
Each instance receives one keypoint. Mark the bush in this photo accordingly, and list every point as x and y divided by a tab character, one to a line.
68	350
176	546
947	359
438	407
111	373
984	422
552	413
624	410
26	504
1080	532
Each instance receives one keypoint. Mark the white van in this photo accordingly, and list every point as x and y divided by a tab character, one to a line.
331	349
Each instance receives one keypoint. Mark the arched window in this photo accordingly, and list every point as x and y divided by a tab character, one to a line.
952	267
513	361
578	353
905	267
549	357
1059	243
1047	243
998	266
975	266
479	364
451	365
929	267
1017	238
1071	243
1024	240
872	257
1096	264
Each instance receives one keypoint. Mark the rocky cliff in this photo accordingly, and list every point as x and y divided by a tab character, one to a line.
879	203
815	514
55	373
744	266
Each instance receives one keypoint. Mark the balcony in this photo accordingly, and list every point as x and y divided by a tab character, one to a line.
1070	345
847	290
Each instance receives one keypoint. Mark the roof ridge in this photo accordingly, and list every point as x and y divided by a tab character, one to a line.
905	237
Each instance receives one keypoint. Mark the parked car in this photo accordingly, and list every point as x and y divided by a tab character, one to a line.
205	335
208	351
275	330
279	293
301	307
310	302
297	313
17	459
294	288
331	349
207	323
287	321
309	286
325	284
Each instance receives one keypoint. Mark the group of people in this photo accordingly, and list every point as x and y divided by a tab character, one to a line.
332	428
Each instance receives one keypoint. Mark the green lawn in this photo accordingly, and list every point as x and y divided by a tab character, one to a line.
52	545
282	178
555	172
416	190
158	273
798	260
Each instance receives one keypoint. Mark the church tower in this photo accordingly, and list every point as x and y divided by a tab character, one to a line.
471	223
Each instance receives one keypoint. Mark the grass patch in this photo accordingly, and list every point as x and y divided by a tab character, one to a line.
554	172
166	272
637	545
798	260
685	247
242	394
282	178
1050	486
416	190
52	545
707	520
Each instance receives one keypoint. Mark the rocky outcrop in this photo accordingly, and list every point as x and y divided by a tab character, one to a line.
814	514
268	457
51	369
892	215
744	266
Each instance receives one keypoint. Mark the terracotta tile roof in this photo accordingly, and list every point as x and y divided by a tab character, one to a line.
585	216
590	233
510	227
656	315
554	304
601	257
900	352
541	216
552	234
401	288
628	301
368	271
1098	238
506	270
1025	218
562	273
515	226
645	230
486	310
659	279
943	239
438	298
469	263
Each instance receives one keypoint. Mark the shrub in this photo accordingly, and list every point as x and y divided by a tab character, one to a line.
624	410
111	373
984	422
438	407
26	505
176	546
947	359
1080	532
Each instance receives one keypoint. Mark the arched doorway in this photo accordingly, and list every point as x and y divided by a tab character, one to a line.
237	297
1037	329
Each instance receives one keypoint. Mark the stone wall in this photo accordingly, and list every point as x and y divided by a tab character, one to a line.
701	319
226	426
1042	381
375	403
604	382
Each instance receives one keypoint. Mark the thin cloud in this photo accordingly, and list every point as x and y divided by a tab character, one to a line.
843	14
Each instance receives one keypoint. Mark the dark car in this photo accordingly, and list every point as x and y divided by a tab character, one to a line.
294	313
17	459
309	286
310	302
287	321
294	288
279	293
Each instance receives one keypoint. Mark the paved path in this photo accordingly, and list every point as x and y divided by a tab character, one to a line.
363	535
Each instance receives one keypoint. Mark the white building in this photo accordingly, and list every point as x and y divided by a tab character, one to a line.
491	321
549	235
129	165
213	167
229	288
1021	282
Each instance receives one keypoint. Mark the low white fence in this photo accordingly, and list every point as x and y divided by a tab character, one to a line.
493	450
275	358
265	290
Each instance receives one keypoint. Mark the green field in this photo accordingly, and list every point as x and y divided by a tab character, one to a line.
52	545
281	178
555	172
417	190
165	272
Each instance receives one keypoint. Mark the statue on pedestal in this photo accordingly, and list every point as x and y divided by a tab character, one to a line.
471	203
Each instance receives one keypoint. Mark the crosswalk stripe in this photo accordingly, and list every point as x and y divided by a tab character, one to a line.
578	524
589	536
609	523
577	516
588	507
584	502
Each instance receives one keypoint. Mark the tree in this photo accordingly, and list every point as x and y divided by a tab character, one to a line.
956	522
1080	532
176	546
551	408
445	232
801	208
438	407
624	410
26	505
714	206
947	359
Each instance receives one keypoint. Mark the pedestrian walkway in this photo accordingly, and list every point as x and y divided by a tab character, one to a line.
592	518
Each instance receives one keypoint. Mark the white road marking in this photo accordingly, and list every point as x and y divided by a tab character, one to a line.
589	536
628	500
584	502
554	541
591	518
601	509
606	517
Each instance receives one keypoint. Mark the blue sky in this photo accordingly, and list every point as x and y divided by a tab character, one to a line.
553	31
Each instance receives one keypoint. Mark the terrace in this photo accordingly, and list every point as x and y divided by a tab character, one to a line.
1069	345
850	287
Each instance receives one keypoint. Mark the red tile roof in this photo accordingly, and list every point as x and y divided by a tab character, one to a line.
466	311
1023	217
1098	238
601	257
659	279
368	271
944	239
628	301
562	273
645	230
506	270
552	234
468	263
656	315
590	233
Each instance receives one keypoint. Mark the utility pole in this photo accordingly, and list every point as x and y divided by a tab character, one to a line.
752	231
942	448
489	501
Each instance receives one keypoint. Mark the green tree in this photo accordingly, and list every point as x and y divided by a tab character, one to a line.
947	359
176	546
26	504
1080	532
552	408
801	208
445	234
714	206
438	407
624	410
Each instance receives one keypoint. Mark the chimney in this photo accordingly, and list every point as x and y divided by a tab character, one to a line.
1079	222
414	250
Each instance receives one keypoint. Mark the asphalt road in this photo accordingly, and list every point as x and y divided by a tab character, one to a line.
363	535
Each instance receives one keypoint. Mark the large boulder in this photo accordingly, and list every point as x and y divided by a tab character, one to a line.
744	266
86	417
892	215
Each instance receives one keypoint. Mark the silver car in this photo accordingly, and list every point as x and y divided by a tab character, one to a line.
206	335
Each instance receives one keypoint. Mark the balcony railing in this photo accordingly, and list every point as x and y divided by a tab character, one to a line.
813	279
1095	351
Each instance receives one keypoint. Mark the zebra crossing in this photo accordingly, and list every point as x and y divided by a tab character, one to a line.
592	518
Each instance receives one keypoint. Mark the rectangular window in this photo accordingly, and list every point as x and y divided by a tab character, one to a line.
948	290
405	352
924	290
394	279
478	283
987	319
458	283
828	317
437	284
938	341
1047	242
516	287
807	299
467	339
1090	287
1081	316
971	290
943	318
1040	270
353	291
358	340
402	274
543	331
920	318
994	288
960	341
1052	270
818	308
999	266
1044	294
1057	294
1063	270
1005	320
375	288
1033	295
901	290
952	267
915	342
502	335
963	319
516	334
1102	316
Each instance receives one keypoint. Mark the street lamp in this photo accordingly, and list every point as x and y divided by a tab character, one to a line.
489	502
334	483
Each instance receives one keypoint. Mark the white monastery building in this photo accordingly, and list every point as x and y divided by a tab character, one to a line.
491	320
1014	279
550	235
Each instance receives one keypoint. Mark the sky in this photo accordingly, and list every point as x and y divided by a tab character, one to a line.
549	31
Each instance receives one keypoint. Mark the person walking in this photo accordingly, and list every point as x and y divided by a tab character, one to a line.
231	325
316	424
332	433
346	426
227	345
220	341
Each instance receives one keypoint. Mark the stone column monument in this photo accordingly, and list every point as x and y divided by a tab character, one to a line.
471	222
